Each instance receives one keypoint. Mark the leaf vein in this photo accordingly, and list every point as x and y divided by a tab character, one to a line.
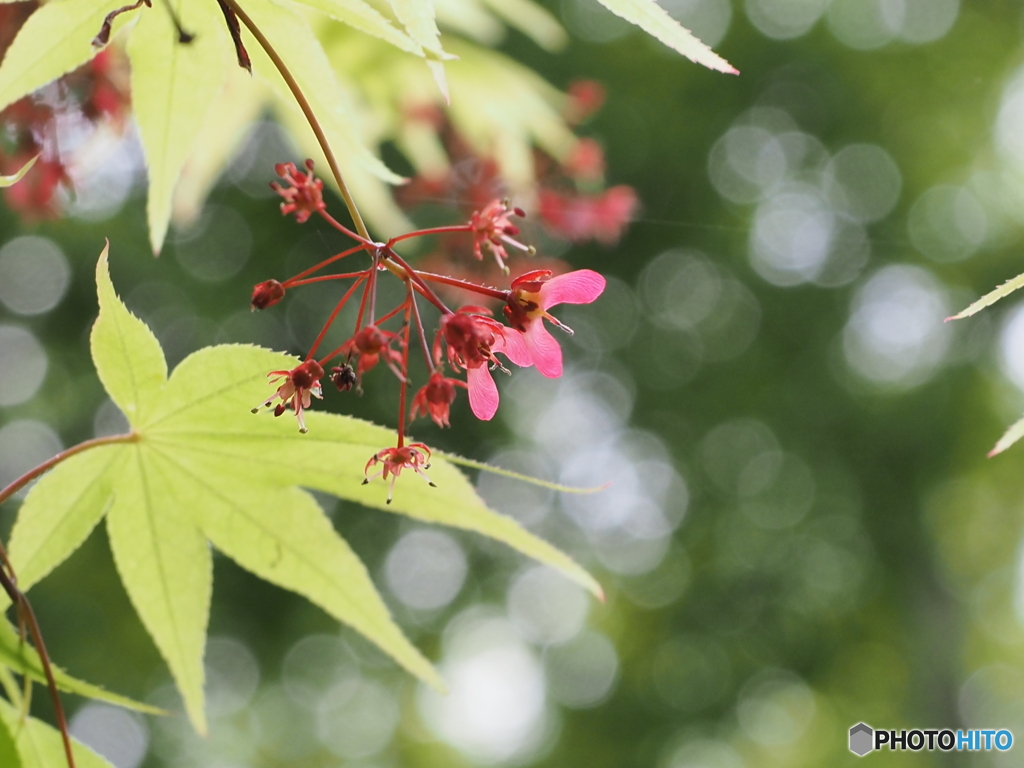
240	509
158	556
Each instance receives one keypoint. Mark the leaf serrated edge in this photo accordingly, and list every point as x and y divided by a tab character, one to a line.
991	297
1011	436
24	660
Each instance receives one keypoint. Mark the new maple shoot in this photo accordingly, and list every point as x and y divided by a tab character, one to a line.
467	340
197	467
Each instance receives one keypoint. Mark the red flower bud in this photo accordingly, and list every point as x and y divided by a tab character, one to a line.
435	398
267	294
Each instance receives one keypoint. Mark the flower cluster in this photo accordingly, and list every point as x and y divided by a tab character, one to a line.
94	93
469	343
572	201
299	385
492	229
414	456
303	194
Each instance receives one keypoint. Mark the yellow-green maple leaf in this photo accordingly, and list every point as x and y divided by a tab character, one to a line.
175	84
198	467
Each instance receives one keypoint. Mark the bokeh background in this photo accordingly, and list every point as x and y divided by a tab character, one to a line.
802	530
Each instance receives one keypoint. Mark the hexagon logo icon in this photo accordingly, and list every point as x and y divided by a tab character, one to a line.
862	739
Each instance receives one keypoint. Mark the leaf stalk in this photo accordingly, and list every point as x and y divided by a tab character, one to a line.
50	463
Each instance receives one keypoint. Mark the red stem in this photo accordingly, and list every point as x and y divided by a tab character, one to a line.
37	639
483	290
432	231
405	370
32	474
391	314
340	349
362	308
291	280
330	320
419	328
323	278
345	230
28	616
25	613
372	288
425	289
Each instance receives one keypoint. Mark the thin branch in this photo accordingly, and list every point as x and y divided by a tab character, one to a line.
465	285
413	275
323	279
236	37
330	320
403	393
26	613
420	329
432	231
290	281
366	241
307	110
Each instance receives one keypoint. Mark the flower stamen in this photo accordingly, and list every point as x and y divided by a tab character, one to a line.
300	384
414	456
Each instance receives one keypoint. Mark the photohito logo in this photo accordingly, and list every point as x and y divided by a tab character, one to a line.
864	739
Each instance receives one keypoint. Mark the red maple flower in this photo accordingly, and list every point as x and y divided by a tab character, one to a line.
585	98
491	228
97	91
103	84
531	297
435	398
473	338
300	383
470	334
304	196
583	217
579	218
369	345
415	456
585	161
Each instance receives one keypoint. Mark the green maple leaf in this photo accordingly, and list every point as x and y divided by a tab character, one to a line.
21	658
8	748
29	743
26	742
177	89
174	85
1016	431
990	298
199	468
655	21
